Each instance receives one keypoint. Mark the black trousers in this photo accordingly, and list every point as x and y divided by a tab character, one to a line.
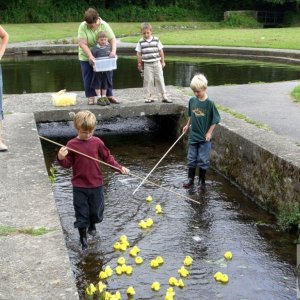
88	205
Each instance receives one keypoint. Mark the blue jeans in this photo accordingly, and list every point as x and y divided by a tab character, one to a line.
198	155
87	73
1	95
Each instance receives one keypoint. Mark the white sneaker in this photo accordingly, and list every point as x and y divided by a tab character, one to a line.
3	147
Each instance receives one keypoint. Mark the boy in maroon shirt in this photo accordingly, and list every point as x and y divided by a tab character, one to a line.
87	179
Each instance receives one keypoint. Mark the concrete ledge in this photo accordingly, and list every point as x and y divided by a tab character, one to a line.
264	54
32	267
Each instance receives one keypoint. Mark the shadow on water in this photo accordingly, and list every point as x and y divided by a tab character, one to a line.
263	258
53	73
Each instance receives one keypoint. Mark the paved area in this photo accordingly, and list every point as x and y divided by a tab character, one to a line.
37	267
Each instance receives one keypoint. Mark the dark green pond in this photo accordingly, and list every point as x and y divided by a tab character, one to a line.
53	73
223	220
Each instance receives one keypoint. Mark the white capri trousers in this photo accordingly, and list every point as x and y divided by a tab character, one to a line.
153	77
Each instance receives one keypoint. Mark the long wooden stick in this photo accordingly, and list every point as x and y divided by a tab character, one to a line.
111	166
158	163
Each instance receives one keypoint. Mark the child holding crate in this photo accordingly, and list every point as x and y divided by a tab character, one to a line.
101	78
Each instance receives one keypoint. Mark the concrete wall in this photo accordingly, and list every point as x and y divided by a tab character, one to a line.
265	165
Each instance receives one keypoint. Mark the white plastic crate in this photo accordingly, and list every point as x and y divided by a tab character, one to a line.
105	64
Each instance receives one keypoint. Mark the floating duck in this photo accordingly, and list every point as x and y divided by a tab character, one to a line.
143	224
173	281
123	239
138	260
155	286
149	222
90	290
188	261
149	199
154	263
117	246
180	283
160	260
170	294
124	268
224	278
221	277
107	295
228	255
119	270
134	251
121	260
102	275
128	270
130	291
183	272
158	209
108	271
101	286
116	296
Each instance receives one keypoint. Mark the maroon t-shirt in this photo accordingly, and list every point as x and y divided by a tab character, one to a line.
86	171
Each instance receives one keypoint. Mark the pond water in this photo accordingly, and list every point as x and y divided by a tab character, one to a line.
223	219
53	73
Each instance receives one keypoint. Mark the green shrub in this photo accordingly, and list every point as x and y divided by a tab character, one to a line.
291	19
289	216
296	93
241	20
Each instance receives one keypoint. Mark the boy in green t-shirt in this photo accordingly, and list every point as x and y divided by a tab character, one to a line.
203	117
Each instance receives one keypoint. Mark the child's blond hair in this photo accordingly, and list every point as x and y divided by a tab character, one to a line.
101	34
145	26
199	82
85	120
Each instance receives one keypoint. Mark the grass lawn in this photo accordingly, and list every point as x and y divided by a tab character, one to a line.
170	33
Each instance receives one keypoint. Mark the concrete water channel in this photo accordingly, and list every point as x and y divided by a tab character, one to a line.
264	164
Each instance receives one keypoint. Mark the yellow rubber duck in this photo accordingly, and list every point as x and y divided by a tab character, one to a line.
121	260
124	268
224	278
180	283
91	289
173	281
108	271
149	199
183	272
158	209
170	294
218	276
160	260
134	251
155	286
188	261
154	263
119	270
138	260
101	286
107	295
149	222
130	291
117	246
143	224
129	270
228	255
123	239
102	275
116	296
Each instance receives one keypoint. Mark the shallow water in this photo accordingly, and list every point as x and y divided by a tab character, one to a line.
223	220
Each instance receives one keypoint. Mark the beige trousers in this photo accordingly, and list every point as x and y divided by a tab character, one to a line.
154	78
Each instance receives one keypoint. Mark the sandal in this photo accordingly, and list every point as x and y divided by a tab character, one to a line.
113	100
91	101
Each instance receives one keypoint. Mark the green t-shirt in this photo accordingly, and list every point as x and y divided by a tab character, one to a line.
203	114
84	32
